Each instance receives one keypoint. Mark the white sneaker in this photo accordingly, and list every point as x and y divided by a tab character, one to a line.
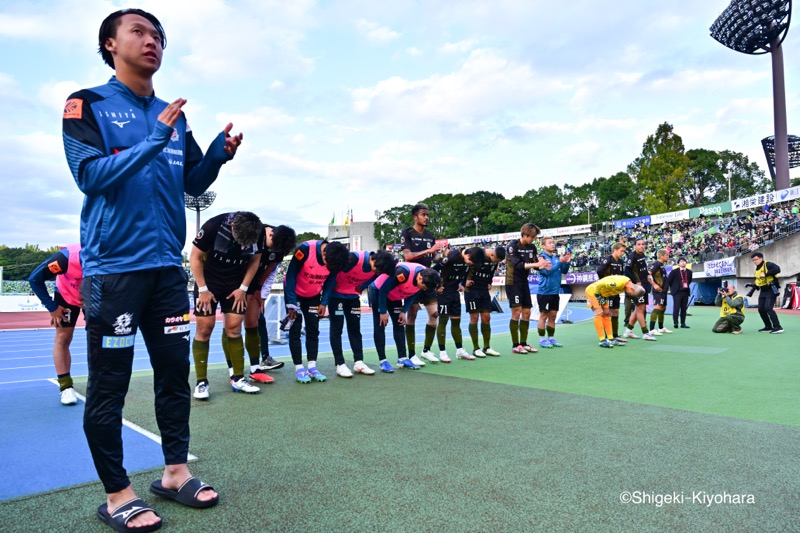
417	361
443	357
493	353
461	353
630	334
665	330
243	386
68	397
429	357
201	391
479	353
343	372
361	368
648	337
655	333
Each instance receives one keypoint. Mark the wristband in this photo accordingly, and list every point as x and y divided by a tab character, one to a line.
243	287
202	289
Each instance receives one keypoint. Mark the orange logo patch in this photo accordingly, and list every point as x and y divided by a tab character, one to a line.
401	278
299	255
73	108
54	268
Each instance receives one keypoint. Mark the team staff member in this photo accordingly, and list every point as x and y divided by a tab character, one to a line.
768	291
390	297
64	267
454	270
597	295
420	246
521	258
312	269
731	314
679	280
614	265
345	301
479	301
636	269
133	156
549	288
224	259
278	243
659	276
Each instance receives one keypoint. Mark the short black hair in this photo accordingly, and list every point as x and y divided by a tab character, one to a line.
500	253
384	262
246	228
284	240
477	255
336	257
431	278
419	207
757	254
108	30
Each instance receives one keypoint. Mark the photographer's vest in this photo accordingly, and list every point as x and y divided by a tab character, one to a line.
767	280
728	309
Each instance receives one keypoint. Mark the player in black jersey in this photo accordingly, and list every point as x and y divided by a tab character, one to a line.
454	269
614	265
224	259
479	301
659	275
420	246
637	270
521	258
278	242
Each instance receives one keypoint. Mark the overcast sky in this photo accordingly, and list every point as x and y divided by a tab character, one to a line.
370	105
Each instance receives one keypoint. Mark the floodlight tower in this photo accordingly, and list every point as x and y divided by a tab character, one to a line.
759	27
199	203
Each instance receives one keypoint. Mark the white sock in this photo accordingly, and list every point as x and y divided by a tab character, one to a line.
299	367
312	364
253	368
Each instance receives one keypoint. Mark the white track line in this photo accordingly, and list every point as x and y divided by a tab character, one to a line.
138	429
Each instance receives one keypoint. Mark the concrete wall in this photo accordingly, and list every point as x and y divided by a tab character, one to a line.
357	236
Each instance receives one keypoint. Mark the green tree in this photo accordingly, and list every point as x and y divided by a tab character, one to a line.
391	223
660	172
308	236
747	179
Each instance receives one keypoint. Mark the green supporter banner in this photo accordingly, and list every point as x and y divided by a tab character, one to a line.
710	210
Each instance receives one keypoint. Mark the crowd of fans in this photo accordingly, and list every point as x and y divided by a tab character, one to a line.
699	240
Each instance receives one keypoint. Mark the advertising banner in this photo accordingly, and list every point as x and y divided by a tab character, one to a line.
720	267
631	222
710	210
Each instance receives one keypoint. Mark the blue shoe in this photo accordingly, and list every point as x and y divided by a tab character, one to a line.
316	375
605	343
544	343
554	343
406	363
302	376
386	366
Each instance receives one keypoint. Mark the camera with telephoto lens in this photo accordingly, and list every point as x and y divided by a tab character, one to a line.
752	288
724	289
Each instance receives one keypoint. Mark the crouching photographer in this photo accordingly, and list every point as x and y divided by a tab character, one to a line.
731	315
769	289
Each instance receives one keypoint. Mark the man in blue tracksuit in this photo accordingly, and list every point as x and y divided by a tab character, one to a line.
549	288
133	156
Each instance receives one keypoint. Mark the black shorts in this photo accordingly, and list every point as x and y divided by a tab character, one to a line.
450	304
225	303
519	296
72	311
641	300
478	301
613	302
659	298
548	302
428	297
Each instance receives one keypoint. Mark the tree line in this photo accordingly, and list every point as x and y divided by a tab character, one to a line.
664	177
